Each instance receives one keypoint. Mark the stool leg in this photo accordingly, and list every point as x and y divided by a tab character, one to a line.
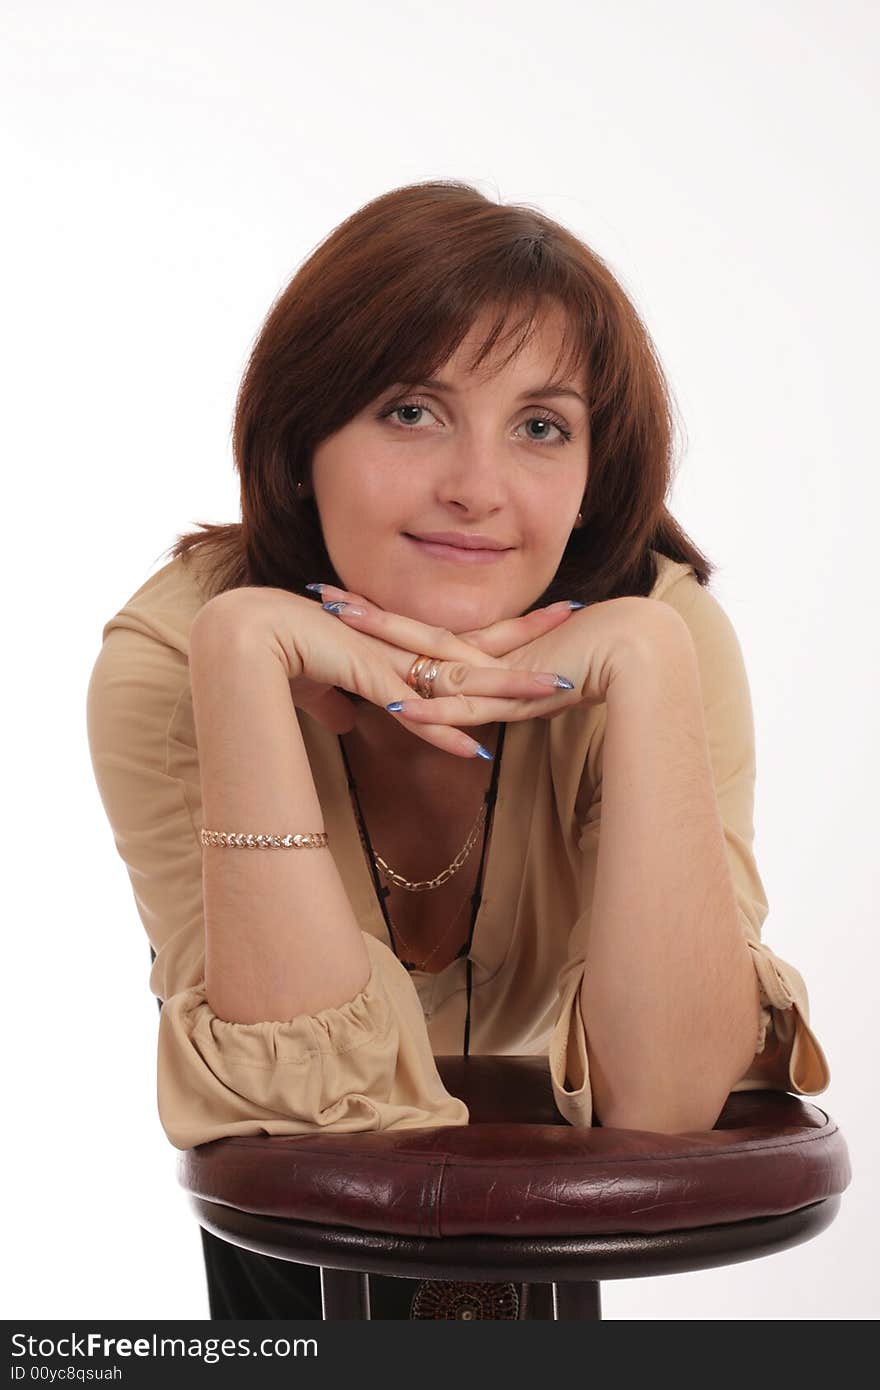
344	1294
577	1301
539	1302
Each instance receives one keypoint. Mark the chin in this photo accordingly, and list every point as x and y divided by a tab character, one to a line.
467	617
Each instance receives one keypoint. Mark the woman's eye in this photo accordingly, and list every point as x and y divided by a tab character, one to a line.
555	424
541	418
408	405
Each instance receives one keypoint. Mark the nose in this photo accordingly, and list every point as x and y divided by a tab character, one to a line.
474	476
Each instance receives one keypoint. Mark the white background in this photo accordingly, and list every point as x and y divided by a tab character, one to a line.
167	169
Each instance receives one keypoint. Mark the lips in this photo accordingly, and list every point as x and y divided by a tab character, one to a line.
454	554
461	540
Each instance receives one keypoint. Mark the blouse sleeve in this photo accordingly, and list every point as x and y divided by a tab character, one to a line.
365	1065
788	1055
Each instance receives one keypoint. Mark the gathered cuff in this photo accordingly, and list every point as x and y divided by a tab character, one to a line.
788	1055
364	1065
568	1061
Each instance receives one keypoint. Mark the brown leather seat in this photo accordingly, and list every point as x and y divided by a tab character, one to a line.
519	1194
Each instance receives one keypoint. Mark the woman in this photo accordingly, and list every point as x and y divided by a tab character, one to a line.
454	421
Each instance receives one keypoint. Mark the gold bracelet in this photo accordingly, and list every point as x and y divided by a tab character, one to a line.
240	841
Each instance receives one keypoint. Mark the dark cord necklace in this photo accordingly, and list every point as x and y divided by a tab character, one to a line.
382	890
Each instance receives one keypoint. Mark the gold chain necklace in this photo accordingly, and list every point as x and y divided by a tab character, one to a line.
423	885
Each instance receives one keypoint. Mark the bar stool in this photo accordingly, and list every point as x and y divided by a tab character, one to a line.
518	1214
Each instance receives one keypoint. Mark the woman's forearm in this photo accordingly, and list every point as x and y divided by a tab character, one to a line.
669	996
281	937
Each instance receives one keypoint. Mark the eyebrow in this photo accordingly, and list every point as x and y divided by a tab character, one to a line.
551	389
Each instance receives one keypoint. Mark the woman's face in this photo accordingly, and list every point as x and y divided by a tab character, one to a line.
483	456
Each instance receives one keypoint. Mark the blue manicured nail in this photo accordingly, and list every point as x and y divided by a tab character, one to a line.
573	603
564	683
395	705
350	610
316	588
482	752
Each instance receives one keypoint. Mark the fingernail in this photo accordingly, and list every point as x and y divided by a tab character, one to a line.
561	682
481	752
316	588
395	705
350	608
573	603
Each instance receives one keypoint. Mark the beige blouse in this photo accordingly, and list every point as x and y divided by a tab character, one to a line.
369	1064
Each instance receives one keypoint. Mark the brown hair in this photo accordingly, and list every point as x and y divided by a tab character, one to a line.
388	296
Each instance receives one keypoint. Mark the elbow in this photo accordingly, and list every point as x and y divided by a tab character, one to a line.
660	1109
666	1095
652	1118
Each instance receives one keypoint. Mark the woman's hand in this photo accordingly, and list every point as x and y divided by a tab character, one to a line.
318	653
588	647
